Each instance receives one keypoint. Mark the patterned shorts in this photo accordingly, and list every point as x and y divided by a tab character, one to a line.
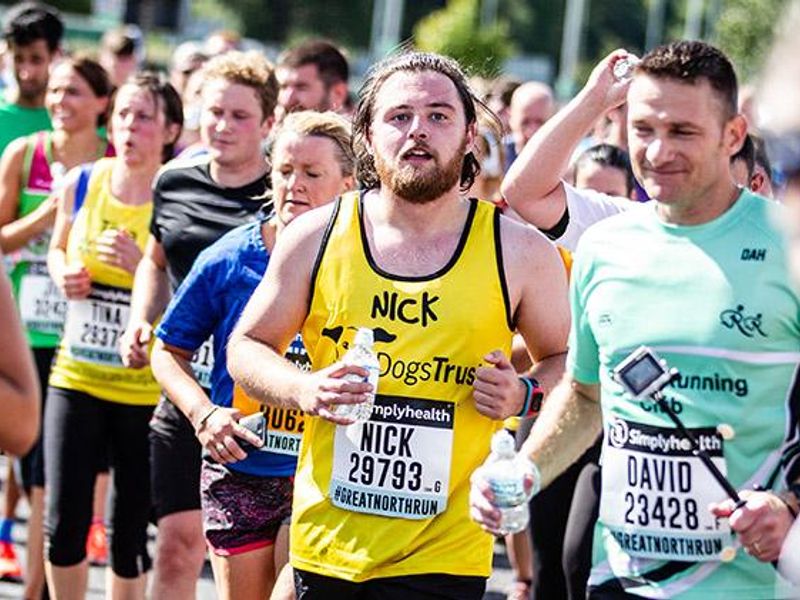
242	512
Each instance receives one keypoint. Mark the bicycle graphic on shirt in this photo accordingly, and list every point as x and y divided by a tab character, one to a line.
748	326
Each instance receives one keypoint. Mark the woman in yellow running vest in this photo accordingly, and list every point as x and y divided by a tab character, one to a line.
32	167
94	403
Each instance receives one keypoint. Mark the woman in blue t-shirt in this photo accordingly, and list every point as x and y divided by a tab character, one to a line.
246	479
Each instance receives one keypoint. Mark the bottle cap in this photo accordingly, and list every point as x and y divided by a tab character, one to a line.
726	431
728	554
364	337
502	443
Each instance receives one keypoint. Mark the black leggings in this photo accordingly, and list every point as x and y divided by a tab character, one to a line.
78	428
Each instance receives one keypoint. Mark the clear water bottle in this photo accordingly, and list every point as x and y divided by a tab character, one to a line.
505	475
361	354
623	68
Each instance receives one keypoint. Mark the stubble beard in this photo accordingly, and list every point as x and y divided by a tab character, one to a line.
420	186
31	94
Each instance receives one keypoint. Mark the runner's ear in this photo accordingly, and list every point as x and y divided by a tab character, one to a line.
471	136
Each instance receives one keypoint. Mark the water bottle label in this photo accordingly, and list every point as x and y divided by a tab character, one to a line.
397	463
508	492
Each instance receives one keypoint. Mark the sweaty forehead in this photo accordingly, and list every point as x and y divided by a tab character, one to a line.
670	100
423	88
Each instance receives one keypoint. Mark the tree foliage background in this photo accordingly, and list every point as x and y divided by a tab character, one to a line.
455	31
743	28
744	32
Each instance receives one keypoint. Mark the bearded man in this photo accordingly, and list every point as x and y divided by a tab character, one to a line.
380	508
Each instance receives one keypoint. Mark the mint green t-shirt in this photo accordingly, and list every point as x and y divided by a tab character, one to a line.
17	121
713	300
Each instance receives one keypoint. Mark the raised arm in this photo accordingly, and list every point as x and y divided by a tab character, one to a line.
533	185
273	317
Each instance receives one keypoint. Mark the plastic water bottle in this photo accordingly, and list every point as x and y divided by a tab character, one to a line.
506	477
623	68
361	354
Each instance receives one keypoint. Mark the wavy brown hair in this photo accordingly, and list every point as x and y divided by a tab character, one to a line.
414	62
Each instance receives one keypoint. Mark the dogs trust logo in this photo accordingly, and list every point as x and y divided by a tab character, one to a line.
746	325
338	336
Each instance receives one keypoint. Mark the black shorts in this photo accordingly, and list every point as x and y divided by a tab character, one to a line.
430	586
175	458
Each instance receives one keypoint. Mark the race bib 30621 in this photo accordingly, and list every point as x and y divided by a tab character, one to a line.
283	430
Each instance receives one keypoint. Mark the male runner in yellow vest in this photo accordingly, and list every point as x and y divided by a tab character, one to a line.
380	509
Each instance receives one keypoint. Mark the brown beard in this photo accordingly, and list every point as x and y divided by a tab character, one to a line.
421	187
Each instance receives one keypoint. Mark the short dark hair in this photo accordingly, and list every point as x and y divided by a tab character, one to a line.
327	57
27	22
122	41
414	62
747	154
689	61
608	155
164	95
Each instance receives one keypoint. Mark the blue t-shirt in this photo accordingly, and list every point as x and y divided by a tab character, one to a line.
209	302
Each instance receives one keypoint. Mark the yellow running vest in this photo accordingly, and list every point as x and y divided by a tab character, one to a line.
389	498
88	358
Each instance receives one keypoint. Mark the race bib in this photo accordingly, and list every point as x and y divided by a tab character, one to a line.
42	306
203	363
656	493
94	325
397	464
283	429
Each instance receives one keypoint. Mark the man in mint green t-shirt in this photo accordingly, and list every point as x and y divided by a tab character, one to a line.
700	276
32	32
